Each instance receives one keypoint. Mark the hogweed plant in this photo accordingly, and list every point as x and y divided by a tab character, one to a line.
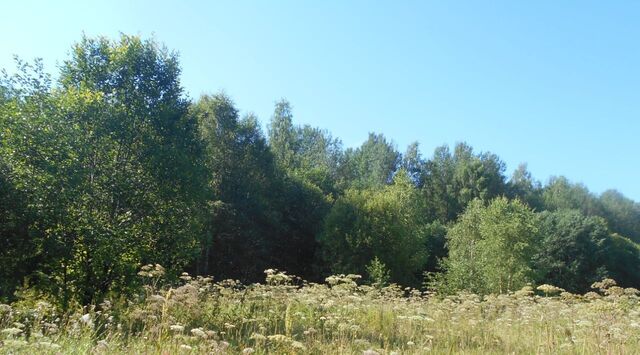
287	315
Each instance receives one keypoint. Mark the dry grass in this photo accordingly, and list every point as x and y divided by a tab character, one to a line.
339	317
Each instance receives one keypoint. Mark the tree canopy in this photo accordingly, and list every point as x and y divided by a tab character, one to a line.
110	166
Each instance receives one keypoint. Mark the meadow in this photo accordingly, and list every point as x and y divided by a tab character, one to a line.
286	315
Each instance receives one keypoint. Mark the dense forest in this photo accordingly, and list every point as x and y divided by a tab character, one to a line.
109	166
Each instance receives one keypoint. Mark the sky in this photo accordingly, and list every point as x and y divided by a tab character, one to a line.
554	84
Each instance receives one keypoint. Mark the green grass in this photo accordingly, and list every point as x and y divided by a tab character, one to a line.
201	316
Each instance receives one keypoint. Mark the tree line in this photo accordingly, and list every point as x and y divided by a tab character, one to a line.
111	166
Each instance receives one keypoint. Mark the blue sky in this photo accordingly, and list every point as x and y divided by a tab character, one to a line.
555	84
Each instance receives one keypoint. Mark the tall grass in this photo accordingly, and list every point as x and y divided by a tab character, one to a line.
289	316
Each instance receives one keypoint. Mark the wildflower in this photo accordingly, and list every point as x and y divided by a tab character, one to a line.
199	333
526	291
177	328
370	352
549	289
410	343
246	351
615	291
185	276
12	331
567	295
361	343
86	320
278	338
604	284
101	347
211	333
583	323
156	299
309	331
591	295
49	345
258	337
158	270
298	345
185	347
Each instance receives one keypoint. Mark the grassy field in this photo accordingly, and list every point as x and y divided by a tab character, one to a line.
288	316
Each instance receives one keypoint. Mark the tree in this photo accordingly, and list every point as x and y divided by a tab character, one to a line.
17	252
560	193
413	164
282	135
318	158
260	214
373	164
107	162
240	171
303	152
523	186
438	188
623	214
573	249
452	181
477	176
490	247
623	261
386	223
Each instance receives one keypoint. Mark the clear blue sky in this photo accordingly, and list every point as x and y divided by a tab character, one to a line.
555	84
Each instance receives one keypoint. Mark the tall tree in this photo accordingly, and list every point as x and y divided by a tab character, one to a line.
110	166
384	223
240	172
623	261
573	249
560	193
282	135
453	180
523	186
17	253
414	164
261	214
490	247
373	164
622	213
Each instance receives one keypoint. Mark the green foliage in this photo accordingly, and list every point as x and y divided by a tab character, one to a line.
282	137
110	167
258	210
379	275
414	164
199	316
371	165
523	186
573	249
623	260
106	162
304	152
560	193
16	254
386	223
623	214
490	248
452	181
